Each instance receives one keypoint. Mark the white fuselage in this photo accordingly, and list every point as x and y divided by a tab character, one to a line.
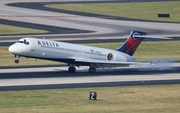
65	52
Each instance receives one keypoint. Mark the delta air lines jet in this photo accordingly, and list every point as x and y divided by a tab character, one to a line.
79	55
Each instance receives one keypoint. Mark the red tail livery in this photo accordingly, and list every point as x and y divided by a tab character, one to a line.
132	43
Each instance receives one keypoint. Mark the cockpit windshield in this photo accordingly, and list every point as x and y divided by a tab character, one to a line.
24	42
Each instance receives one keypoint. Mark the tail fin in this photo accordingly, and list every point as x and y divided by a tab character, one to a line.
132	43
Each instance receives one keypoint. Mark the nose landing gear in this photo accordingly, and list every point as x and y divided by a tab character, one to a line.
16	59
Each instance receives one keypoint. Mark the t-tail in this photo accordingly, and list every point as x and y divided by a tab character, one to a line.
135	38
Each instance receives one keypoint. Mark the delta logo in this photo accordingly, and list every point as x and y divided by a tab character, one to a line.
47	43
39	43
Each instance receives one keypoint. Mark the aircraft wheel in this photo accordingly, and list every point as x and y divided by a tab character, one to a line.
16	61
72	69
92	70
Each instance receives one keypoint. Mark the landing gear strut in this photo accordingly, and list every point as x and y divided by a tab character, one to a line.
72	69
16	59
92	70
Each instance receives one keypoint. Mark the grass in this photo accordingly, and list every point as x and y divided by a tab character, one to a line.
131	99
140	10
147	51
7	29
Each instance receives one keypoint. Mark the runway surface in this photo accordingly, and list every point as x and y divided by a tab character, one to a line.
91	28
59	77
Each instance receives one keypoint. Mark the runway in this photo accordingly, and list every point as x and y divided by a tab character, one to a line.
80	28
59	77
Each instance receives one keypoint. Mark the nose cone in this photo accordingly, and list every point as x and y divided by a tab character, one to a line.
14	49
11	49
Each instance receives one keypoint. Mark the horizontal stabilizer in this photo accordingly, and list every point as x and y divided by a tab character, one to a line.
150	37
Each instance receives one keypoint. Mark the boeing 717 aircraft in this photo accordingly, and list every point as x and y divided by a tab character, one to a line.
79	55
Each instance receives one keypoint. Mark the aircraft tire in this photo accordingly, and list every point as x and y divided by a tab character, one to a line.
92	70
72	69
16	61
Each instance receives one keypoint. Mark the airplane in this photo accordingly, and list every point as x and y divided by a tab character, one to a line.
80	55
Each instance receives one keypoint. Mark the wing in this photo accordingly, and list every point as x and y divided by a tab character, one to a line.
103	63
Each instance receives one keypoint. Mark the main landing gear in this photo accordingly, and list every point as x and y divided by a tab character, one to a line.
72	69
16	59
92	70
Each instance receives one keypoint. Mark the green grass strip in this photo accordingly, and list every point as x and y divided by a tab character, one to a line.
138	10
133	99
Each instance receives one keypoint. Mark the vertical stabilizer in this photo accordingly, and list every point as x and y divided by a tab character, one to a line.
132	43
